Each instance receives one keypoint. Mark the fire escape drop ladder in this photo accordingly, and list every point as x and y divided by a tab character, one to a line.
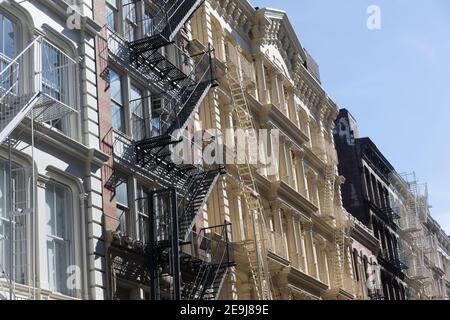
257	247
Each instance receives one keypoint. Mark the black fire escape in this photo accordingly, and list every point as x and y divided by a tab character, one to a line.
183	263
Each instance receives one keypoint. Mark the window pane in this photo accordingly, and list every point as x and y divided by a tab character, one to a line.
122	221
58	207
8	38
137	110
50	210
5	225
61	267
111	16
148	23
51	75
122	194
118	117
60	213
116	87
51	264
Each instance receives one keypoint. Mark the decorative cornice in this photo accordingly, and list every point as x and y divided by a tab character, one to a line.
238	14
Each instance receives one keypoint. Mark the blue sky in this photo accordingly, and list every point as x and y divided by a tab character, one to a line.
395	81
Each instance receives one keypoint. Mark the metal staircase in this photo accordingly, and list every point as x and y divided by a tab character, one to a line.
173	14
41	89
210	268
200	188
256	247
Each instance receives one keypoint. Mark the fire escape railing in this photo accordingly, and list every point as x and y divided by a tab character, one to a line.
162	27
208	256
38	82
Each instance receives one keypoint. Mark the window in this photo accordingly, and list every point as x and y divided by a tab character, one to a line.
122	208
58	214
129	20
111	15
19	222
58	78
52	76
137	112
7	48
143	214
148	22
7	37
118	114
156	119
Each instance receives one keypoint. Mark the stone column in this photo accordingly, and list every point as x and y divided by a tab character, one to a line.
292	239
302	246
282	100
310	251
289	164
274	92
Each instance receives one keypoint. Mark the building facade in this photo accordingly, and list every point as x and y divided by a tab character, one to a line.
413	259
366	195
51	189
290	237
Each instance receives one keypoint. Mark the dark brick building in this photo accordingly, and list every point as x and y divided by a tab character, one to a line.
366	195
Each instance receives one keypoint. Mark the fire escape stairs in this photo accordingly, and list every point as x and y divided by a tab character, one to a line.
210	273
197	196
208	282
170	19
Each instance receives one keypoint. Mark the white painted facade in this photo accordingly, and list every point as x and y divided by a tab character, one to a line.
69	158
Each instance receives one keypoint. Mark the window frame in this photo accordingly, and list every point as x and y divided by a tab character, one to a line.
19	179
67	239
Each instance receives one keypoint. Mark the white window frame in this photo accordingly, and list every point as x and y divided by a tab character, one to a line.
66	239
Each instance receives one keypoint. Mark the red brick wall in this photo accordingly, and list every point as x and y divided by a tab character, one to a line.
105	115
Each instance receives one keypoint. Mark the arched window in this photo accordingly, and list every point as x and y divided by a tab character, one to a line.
58	199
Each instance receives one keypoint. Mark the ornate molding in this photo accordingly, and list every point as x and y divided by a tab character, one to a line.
238	14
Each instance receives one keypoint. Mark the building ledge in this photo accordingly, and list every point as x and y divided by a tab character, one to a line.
57	141
339	294
305	282
283	190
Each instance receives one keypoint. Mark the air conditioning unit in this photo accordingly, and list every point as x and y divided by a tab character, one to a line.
157	104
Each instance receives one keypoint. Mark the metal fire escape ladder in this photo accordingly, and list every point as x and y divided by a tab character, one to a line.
213	270
330	180
339	258
257	247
